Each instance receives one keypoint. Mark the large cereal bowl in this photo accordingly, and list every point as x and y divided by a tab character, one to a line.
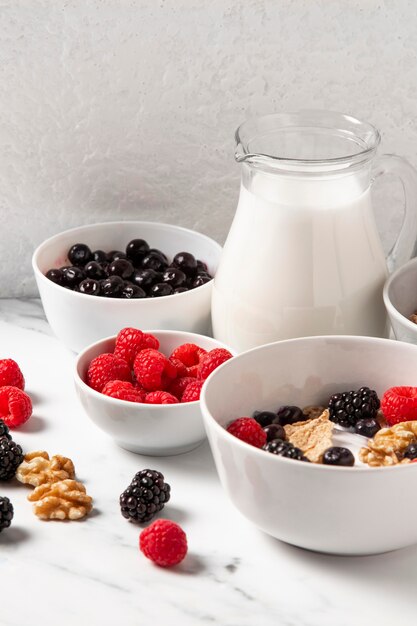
152	429
400	299
79	319
337	510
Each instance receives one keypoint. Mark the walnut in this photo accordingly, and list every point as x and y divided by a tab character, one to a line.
313	436
65	499
38	469
388	444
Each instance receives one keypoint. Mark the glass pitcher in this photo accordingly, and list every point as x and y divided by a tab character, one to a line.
303	255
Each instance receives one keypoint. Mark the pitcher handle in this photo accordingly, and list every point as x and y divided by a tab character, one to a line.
406	245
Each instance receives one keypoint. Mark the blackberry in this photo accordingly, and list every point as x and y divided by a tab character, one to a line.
146	495
11	456
349	407
289	415
6	513
284	448
4	431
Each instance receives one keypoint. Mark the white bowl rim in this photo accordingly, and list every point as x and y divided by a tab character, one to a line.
401	319
279	459
116	401
41	276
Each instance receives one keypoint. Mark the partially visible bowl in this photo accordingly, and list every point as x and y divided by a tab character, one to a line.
152	429
339	510
78	319
400	299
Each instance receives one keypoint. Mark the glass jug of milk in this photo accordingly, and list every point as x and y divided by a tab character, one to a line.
303	255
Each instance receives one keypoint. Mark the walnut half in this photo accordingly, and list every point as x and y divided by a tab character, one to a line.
38	469
65	499
388	444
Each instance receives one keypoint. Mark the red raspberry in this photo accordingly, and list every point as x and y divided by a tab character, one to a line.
248	430
211	361
189	354
399	404
130	341
192	391
10	374
107	367
180	367
160	397
15	406
164	543
153	370
177	387
123	390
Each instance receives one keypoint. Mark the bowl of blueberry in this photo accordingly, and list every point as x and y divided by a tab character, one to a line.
98	278
315	441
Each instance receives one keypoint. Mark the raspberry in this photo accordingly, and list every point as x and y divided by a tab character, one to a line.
189	354
192	391
178	386
123	390
180	367
164	543
130	341
211	361
160	397
153	370
247	429
107	367
10	374
15	406
399	404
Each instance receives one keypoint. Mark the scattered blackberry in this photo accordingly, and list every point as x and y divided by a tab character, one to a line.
6	513
349	407
146	495
284	448
289	415
367	427
11	456
411	451
338	456
4	431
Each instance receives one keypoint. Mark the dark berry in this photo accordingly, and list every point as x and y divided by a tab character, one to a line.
79	254
367	427
180	290
153	261
131	292
114	255
185	262
160	289
112	287
73	276
90	287
136	250
350	406
411	451
11	456
99	256
121	267
159	253
6	513
201	266
146	278
264	418
95	270
4	430
338	456
274	431
289	415
146	495
284	448
56	275
200	280
174	277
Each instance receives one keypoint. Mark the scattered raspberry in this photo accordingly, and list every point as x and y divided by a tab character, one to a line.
211	361
10	374
123	390
192	391
107	367
15	406
189	353
153	370
130	341
160	397
164	543
180	367
399	404
248	430
178	386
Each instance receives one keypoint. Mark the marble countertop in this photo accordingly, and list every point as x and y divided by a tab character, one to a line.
92	572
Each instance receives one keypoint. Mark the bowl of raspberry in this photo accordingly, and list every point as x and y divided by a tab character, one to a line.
95	279
315	441
143	388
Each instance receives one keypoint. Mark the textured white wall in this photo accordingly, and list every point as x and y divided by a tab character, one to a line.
115	109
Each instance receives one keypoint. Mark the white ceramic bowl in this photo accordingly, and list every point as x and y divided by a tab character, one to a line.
152	429
400	299
340	510
78	319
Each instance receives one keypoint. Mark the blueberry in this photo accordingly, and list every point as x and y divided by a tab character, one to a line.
146	278
264	418
56	276
73	276
90	287
95	270
201	266
159	253
99	256
274	431
289	415
367	427
79	254
131	291
120	267
154	261
201	279
174	277
136	250
338	456
411	451
112	287
185	262
180	290
113	255
160	289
